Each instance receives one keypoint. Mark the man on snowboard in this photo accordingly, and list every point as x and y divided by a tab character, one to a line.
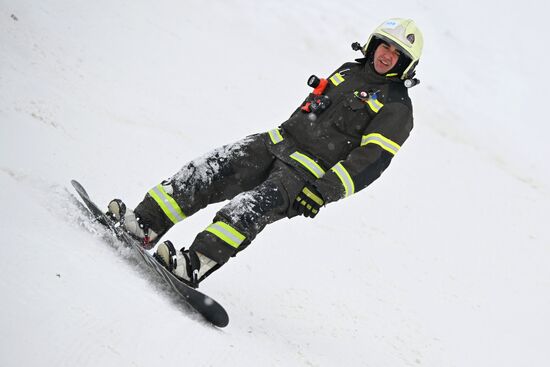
338	142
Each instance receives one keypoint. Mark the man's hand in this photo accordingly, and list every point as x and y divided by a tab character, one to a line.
308	202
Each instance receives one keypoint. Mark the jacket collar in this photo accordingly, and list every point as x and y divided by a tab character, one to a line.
374	76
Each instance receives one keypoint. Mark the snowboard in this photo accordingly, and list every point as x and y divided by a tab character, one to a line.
207	307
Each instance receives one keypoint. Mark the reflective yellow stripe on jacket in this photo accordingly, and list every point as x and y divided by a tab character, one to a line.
308	163
381	141
344	176
226	233
375	105
167	204
275	136
337	79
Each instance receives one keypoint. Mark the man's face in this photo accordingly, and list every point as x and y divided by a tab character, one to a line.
385	58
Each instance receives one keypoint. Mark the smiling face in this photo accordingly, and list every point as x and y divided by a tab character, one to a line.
385	58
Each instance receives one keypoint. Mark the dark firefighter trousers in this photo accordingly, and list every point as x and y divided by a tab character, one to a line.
260	188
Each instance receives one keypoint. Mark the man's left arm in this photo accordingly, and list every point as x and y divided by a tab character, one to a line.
380	142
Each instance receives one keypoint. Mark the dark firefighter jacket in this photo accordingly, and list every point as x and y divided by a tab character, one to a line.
347	146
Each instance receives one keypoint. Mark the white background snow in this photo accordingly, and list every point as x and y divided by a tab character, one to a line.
444	261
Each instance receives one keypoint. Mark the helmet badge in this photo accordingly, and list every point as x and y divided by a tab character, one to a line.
410	38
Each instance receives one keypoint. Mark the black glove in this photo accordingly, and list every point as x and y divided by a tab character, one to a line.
308	202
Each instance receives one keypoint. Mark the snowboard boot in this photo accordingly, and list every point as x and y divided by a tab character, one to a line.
189	266
132	223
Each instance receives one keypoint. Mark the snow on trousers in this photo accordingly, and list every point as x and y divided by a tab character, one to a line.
260	189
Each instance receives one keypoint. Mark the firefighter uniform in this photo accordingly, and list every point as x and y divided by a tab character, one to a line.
338	151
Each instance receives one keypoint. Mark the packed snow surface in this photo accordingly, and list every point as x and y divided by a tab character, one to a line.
444	261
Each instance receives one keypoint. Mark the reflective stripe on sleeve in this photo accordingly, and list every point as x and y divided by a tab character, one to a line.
381	141
308	163
336	79
345	177
167	204
226	233
275	136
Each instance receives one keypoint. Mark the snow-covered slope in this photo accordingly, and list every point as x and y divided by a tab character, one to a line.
447	262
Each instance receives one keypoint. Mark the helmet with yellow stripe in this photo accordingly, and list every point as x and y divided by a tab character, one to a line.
405	36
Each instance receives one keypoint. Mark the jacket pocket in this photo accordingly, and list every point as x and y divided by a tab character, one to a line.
354	116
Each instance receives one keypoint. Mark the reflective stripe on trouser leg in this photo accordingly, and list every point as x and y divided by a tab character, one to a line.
248	214
167	204
226	233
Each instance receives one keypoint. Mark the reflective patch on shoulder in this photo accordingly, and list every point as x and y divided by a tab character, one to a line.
337	79
275	136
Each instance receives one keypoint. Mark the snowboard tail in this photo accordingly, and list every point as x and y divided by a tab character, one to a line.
211	310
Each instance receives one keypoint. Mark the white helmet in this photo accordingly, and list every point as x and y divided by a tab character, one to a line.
403	34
